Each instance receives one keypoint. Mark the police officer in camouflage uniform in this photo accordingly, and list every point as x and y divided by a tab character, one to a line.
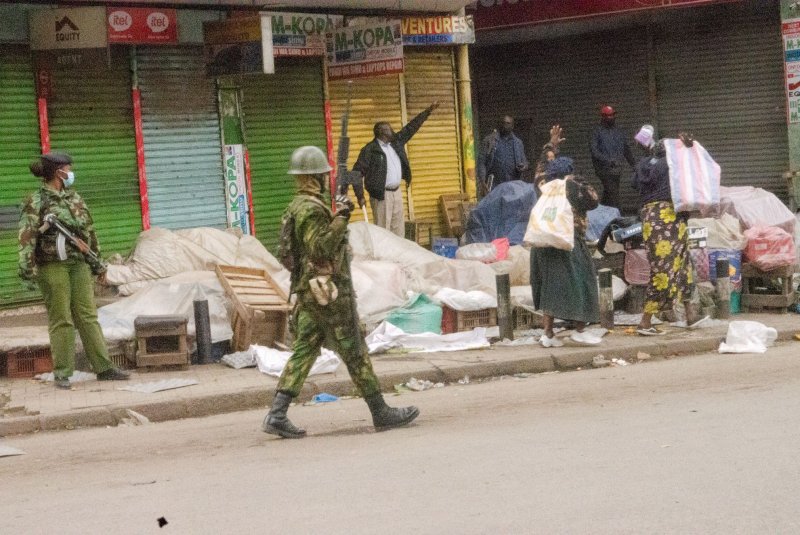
62	270
314	244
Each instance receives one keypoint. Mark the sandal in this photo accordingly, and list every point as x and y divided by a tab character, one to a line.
650	331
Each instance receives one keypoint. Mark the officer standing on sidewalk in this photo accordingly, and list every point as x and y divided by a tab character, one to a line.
314	248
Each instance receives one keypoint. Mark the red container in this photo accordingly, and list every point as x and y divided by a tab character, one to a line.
456	321
26	363
769	247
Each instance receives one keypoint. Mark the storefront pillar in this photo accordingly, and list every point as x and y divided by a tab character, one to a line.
466	122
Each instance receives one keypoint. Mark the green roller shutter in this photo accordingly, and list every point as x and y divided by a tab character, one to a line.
91	118
19	145
281	111
182	151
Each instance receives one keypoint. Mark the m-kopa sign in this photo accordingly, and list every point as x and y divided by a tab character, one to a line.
360	51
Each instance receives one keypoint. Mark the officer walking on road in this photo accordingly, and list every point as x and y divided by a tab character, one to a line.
314	248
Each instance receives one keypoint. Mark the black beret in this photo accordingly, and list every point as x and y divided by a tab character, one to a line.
57	158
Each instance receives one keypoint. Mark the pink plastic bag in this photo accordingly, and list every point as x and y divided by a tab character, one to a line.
502	246
769	248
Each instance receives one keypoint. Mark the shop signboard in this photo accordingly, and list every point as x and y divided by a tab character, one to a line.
441	30
142	25
239	45
507	13
365	50
236	189
69	38
791	48
301	34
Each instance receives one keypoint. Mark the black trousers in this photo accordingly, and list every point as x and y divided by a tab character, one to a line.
610	195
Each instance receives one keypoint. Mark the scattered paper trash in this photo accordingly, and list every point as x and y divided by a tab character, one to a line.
271	361
134	418
619	362
464	380
386	336
8	451
748	337
324	397
600	361
418	385
158	386
76	377
240	359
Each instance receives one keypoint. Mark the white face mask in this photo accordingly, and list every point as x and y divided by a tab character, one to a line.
69	179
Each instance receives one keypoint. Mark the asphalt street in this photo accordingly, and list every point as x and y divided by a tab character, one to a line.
702	444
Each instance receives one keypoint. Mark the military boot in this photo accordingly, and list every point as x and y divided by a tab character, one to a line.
276	422
386	417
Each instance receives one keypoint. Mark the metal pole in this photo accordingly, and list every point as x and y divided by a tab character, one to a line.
504	319
723	289
606	299
466	120
202	330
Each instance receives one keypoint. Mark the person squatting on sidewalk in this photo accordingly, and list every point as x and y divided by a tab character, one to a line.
63	270
315	249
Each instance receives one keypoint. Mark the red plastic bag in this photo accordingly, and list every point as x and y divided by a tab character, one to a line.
769	248
501	244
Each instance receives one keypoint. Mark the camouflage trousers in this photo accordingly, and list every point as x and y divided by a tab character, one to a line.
336	327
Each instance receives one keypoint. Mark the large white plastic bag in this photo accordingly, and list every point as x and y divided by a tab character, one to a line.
272	361
481	252
748	337
551	222
694	176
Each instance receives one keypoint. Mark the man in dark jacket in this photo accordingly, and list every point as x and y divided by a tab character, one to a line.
609	148
383	163
501	157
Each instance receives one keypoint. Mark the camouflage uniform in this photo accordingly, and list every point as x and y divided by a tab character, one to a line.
66	285
321	247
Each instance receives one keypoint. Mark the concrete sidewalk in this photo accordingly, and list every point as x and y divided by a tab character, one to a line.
28	405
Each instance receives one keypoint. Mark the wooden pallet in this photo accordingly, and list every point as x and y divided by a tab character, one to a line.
260	308
452	206
776	302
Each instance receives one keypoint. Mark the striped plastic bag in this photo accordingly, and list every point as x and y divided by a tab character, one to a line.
694	176
551	220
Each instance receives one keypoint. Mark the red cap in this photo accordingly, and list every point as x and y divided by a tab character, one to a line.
607	111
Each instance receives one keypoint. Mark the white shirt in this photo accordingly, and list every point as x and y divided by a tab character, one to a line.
394	170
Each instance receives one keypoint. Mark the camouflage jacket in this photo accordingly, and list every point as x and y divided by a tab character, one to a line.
35	248
320	244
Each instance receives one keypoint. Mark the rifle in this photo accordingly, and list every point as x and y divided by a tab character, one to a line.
345	178
64	234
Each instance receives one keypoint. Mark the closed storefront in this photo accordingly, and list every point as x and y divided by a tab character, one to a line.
91	118
434	151
281	112
19	145
712	71
180	126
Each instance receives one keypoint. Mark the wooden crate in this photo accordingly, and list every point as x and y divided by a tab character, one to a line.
524	319
161	341
451	208
774	302
260	308
455	321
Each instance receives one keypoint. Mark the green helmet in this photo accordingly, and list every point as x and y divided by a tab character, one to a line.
309	160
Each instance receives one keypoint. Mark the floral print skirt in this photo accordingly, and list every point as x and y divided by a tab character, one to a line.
665	237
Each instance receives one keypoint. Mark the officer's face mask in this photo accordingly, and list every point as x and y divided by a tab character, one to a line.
68	178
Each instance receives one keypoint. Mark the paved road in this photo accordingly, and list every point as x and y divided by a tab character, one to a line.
705	444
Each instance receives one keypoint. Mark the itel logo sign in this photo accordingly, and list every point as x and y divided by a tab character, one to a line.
142	25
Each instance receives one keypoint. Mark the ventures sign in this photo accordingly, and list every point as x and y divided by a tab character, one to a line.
371	49
301	34
506	13
240	45
140	25
443	30
236	189
69	38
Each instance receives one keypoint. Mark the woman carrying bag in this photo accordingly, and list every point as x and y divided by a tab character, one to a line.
63	270
563	276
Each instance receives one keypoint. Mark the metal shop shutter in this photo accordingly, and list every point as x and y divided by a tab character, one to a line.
281	111
434	151
720	76
182	147
19	146
91	118
565	81
373	99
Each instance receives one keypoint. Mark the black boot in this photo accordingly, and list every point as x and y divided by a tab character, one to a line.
276	422
386	417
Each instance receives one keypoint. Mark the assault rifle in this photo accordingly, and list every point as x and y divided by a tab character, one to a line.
344	178
64	234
